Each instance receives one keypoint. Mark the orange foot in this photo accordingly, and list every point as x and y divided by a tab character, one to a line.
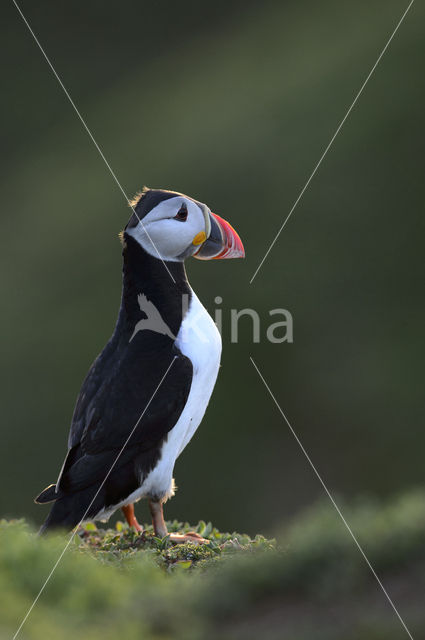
160	528
128	511
191	536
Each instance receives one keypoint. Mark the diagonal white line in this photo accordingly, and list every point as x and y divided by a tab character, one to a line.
331	498
330	143
88	508
83	122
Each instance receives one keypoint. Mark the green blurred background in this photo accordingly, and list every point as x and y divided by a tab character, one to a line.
232	103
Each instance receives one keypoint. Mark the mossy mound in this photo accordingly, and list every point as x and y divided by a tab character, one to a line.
123	544
313	584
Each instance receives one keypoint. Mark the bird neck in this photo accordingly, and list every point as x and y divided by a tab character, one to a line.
150	276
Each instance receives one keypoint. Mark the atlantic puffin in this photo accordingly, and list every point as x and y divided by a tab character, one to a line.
162	328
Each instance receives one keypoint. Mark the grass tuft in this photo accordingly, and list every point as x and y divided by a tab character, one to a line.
118	546
313	583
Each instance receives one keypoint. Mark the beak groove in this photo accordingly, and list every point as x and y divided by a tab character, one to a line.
223	241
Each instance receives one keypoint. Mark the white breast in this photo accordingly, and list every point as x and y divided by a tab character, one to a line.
199	340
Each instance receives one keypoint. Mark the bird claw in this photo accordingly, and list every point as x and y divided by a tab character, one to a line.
191	536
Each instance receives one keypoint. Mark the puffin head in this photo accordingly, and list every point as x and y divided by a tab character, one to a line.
173	227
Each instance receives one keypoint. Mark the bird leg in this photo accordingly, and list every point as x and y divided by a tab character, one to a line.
160	528
128	512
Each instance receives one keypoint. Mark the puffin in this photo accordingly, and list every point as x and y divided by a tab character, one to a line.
146	393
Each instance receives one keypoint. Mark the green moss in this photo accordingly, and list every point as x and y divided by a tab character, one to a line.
114	581
119	545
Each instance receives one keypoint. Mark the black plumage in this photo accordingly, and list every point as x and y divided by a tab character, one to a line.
120	447
117	389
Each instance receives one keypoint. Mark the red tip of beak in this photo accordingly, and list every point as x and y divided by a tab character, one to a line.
232	244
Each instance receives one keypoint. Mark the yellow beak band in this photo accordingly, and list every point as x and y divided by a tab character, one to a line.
199	238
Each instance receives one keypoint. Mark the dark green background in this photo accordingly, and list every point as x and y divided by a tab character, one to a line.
232	103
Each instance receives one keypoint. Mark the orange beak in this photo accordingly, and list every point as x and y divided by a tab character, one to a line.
222	243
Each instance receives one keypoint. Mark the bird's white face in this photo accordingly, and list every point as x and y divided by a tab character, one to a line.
174	229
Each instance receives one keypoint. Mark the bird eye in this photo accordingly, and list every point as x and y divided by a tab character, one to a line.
181	214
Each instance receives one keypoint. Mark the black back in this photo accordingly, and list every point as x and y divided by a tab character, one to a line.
119	388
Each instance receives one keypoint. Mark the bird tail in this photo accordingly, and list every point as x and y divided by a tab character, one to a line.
47	495
63	516
57	517
69	509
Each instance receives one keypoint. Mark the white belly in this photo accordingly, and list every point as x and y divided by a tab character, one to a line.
199	340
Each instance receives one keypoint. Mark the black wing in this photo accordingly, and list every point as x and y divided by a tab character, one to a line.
118	389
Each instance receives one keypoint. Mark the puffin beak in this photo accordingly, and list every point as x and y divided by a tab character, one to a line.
222	241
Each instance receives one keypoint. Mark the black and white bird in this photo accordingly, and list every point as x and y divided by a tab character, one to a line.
146	393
